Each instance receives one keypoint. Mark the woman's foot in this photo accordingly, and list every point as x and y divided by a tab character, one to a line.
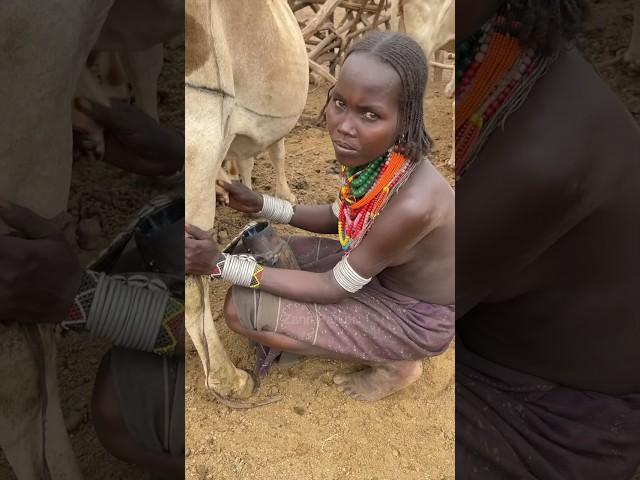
379	381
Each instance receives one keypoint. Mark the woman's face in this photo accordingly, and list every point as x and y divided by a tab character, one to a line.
363	111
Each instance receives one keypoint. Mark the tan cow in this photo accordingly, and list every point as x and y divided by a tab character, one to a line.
43	49
246	86
432	24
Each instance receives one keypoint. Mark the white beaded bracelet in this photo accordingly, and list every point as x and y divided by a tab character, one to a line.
127	311
347	277
276	209
238	269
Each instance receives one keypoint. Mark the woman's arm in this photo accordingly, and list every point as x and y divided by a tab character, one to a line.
396	231
315	218
312	218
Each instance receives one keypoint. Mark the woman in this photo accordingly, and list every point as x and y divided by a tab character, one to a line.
383	294
547	384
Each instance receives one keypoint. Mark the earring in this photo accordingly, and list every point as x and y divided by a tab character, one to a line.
400	144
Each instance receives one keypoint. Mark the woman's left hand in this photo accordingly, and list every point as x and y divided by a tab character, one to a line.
200	252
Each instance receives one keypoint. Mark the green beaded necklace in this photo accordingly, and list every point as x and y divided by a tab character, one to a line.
362	178
465	53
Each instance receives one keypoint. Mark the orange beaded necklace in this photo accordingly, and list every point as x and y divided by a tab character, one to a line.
497	77
356	216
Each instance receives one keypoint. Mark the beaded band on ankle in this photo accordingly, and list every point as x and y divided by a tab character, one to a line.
276	209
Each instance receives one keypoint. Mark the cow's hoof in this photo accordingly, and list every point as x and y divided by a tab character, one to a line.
288	196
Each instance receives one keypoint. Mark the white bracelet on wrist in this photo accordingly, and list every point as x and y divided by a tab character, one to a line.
237	269
276	209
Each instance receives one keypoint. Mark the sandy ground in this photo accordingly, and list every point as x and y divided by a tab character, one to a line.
316	432
112	197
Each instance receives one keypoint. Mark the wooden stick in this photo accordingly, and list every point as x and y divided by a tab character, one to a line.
323	72
319	18
445	66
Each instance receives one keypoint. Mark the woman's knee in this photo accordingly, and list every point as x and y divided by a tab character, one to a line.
230	312
105	408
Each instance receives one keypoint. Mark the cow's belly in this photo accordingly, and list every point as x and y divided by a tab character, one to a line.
253	134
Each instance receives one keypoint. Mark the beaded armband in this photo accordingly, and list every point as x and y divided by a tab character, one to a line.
135	312
347	277
242	270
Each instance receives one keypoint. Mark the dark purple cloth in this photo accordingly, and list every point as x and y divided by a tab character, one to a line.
510	425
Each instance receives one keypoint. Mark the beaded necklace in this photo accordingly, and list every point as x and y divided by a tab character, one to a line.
364	193
494	77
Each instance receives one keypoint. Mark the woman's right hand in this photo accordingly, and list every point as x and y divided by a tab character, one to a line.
240	197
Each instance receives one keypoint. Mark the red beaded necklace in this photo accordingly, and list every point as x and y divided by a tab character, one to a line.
357	215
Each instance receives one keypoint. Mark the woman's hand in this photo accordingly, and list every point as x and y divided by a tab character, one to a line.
133	140
240	197
39	270
200	252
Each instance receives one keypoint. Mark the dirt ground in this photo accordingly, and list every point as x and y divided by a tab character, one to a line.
606	34
316	432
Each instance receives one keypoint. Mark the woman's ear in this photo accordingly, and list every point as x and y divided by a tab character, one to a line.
401	142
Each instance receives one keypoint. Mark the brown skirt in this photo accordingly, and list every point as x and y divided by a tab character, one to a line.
373	325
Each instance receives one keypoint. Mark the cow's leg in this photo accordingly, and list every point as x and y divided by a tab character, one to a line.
113	76
245	169
89	87
143	69
277	155
221	375
21	421
633	53
205	151
20	411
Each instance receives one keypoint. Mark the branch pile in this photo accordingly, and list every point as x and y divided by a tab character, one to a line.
330	26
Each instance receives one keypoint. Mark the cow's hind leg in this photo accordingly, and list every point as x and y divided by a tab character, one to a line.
143	69
277	155
21	420
244	168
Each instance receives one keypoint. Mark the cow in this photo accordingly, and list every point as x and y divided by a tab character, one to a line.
432	24
247	78
43	49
